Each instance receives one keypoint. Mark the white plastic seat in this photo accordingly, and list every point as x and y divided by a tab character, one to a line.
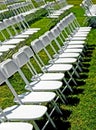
15	126
37	47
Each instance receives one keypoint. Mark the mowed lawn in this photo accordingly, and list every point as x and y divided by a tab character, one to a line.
80	111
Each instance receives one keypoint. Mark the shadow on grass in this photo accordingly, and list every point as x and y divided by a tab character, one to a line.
77	91
61	125
73	101
61	120
84	75
81	82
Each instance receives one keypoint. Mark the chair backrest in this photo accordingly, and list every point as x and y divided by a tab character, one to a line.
20	58
7	22
9	67
27	50
2	78
31	54
50	35
44	39
37	45
55	32
2	26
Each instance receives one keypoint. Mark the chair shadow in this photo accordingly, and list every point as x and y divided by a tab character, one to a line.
60	120
77	91
73	101
60	125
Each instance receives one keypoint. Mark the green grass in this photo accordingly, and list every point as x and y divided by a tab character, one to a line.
80	112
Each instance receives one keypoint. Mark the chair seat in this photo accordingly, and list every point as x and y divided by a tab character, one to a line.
69	55
9	46
78	38
4	49
15	126
30	31
51	76
84	29
37	97
21	36
60	68
73	50
80	34
45	86
65	60
13	41
76	42
75	46
1	54
24	112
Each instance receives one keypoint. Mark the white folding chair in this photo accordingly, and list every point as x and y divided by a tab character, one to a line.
10	26
24	112
38	85
37	46
43	75
89	8
24	8
30	97
6	40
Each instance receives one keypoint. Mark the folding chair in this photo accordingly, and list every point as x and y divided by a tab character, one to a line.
38	85
26	28
56	32
5	39
10	26
89	7
24	112
55	9
37	46
24	8
29	97
43	75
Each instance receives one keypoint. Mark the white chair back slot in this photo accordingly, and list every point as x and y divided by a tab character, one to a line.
50	35
2	78
55	32
9	68
27	50
37	45
20	58
45	40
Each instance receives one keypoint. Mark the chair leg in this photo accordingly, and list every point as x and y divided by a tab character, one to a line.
35	125
72	78
67	86
59	95
49	119
57	107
